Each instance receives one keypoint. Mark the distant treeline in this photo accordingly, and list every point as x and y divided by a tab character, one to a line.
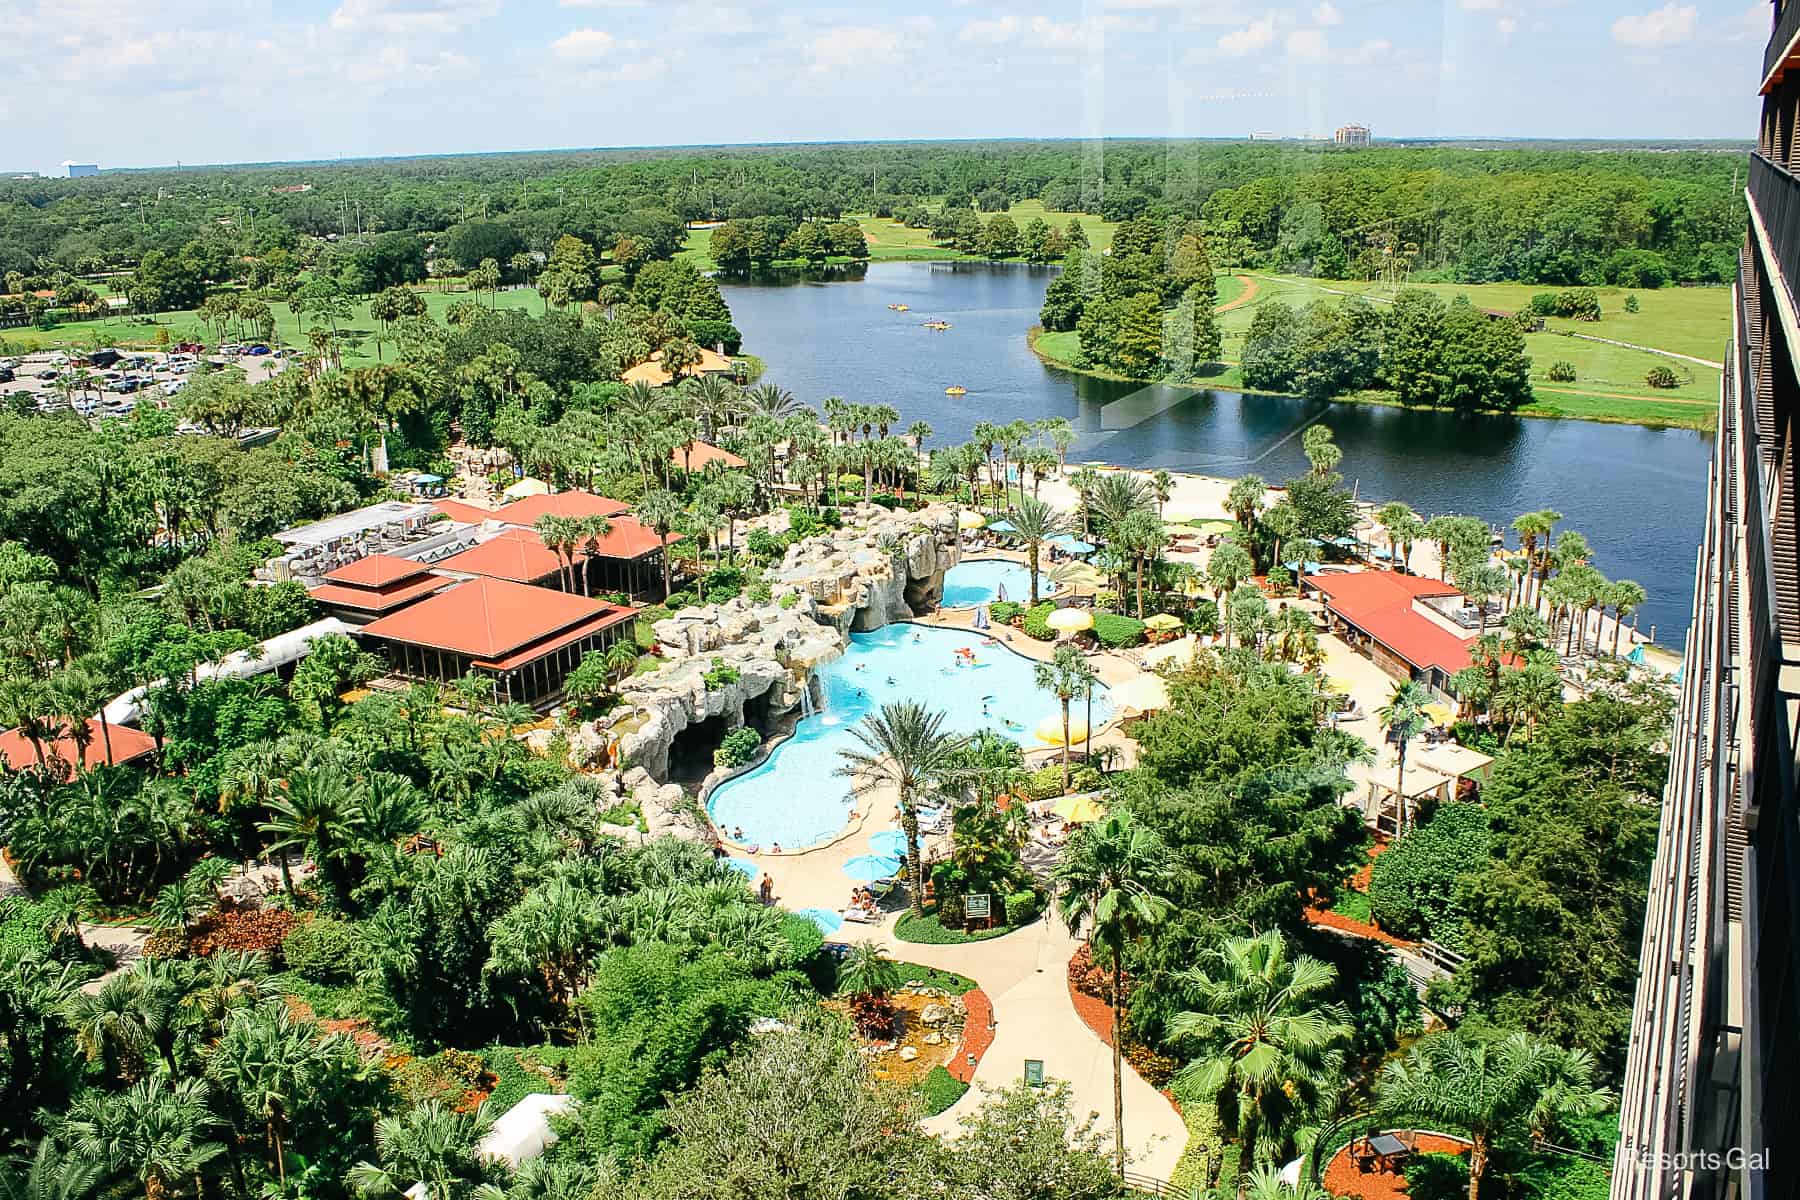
1552	216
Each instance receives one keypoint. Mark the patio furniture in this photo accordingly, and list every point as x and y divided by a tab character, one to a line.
1389	1151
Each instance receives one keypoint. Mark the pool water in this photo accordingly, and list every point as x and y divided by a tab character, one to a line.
978	581
795	798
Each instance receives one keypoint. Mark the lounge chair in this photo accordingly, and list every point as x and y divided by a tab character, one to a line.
861	916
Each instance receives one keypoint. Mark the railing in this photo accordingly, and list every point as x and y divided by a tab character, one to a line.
1787	23
1145	1185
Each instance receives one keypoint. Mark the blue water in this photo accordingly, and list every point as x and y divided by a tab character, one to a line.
796	799
978	581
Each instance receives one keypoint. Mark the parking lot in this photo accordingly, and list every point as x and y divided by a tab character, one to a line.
116	388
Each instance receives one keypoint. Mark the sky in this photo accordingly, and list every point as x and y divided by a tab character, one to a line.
130	83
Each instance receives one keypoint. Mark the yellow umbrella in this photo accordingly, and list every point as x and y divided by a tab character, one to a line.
1143	694
1336	687
1079	810
1070	620
527	487
970	519
1163	622
1193	586
1439	713
1050	729
1178	651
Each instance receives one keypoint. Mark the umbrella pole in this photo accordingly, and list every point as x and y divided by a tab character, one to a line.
1088	731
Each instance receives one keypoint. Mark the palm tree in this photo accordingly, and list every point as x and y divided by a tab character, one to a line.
1245	501
157	1131
1528	696
1035	523
1114	497
51	1173
661	511
319	813
1514	1086
1272	1044
111	1027
1065	676
1162	486
1141	537
1106	882
1627	596
1229	566
1402	717
1322	453
772	401
904	746
25	705
177	904
866	970
1533	527
267	1063
427	1144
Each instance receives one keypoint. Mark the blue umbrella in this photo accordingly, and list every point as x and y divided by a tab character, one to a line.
870	867
827	921
889	842
1636	656
744	867
1003	527
1071	544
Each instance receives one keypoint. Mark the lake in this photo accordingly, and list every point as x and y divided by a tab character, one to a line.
1638	494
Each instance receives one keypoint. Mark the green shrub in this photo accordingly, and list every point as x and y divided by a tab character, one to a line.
678	600
1281	580
1437	1176
720	675
1580	304
759	591
1353	904
513	1079
942	1089
1562	371
1205	1144
1003	611
1114	630
22	925
789	600
832	517
1021	908
738	747
929	931
764	544
803	523
1037	623
1412	888
1631	304
1046	781
886	501
324	950
1662	377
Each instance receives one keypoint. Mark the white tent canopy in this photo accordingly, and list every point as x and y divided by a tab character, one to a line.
523	1131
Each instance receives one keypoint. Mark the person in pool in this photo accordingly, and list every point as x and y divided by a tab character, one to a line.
774	847
737	833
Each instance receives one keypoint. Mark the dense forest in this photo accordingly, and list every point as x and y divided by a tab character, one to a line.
1554	216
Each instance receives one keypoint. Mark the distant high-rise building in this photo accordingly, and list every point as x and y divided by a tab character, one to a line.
1351	135
1710	1105
1263	135
81	170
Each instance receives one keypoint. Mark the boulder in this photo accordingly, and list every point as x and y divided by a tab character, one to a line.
908	1053
935	1014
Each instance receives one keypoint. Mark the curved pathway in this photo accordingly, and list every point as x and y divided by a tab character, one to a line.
1247	296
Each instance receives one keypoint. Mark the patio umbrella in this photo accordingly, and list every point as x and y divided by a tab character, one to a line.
1050	729
970	519
890	843
527	487
1439	713
1163	623
1146	693
1216	526
1179	651
1003	526
870	867
827	921
744	867
1070	544
1079	810
1070	620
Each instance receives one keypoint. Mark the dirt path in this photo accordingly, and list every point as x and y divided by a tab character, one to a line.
1703	362
1251	287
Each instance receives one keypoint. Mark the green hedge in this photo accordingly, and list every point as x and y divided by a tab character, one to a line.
1003	611
324	950
1205	1144
942	1089
1046	781
950	981
1114	631
1412	889
1037	623
738	747
928	931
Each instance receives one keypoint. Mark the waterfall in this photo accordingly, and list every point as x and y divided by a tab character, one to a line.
806	698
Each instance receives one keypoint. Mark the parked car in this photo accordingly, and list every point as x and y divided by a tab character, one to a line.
6	375
255	351
47	373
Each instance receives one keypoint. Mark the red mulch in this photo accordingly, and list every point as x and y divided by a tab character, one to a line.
978	1035
1343	1179
1360	880
1094	1012
1327	919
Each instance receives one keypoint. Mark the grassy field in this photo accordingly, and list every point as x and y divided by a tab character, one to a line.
1609	383
134	331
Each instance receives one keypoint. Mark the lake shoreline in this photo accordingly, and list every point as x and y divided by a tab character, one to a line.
1707	423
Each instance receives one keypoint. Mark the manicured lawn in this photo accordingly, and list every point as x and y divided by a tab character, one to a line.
950	981
185	326
927	931
1352	904
941	1090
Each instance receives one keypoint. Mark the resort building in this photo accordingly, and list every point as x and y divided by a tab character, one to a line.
697	456
651	372
517	555
573	503
1710	1105
627	559
373	586
1383	614
527	638
396	528
61	753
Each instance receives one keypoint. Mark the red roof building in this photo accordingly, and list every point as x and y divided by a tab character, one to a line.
374	586
1379	610
626	559
518	555
60	754
574	503
464	514
697	456
527	638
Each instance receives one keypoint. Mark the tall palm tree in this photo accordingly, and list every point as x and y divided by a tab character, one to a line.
661	512
1035	523
1627	596
1141	537
321	814
1533	528
1114	497
266	1063
427	1144
1229	566
1272	1044
1515	1086
772	401
1402	717
1107	882
51	1173
1065	676
904	746
1245	501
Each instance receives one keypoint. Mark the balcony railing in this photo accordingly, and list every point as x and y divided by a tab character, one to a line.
1776	194
1787	23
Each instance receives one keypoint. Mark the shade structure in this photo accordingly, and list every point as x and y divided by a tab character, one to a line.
1077	575
527	487
1163	622
1050	729
970	519
827	921
1070	544
744	867
1070	620
1079	810
1146	693
1309	567
1003	526
890	843
1439	713
1180	652
1335	686
1216	526
870	867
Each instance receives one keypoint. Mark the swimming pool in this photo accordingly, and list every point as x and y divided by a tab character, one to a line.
979	581
795	799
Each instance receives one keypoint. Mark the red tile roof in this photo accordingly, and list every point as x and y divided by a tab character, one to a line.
518	554
496	620
377	571
699	455
574	503
467	514
127	744
1380	603
379	600
630	538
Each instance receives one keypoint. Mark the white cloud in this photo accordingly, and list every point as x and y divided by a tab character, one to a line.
1506	26
603	3
1307	45
1258	35
1067	35
999	29
411	17
584	45
1327	14
1751	24
853	45
1669	25
640	69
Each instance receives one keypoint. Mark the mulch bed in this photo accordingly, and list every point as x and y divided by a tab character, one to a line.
1326	919
977	1035
1343	1179
1094	1012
